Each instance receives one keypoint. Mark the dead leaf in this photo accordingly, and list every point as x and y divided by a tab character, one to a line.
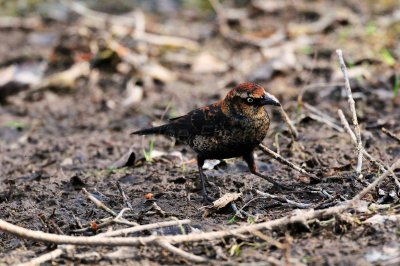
225	200
128	159
134	93
210	164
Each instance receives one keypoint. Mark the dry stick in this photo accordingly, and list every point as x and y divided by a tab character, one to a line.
282	160
137	241
180	252
322	117
49	256
284	200
376	182
124	197
118	217
98	203
64	248
292	128
375	161
353	111
59	251
325	121
391	134
297	216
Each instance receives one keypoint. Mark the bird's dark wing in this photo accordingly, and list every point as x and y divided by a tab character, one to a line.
203	121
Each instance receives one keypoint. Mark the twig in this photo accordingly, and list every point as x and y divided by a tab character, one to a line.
353	111
98	203
49	256
267	239
297	216
145	227
391	134
292	128
376	182
124	197
238	213
375	161
116	219
282	160
326	121
193	237
322	117
322	85
284	200
180	252
65	248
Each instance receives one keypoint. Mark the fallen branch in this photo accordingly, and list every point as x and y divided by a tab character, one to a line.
298	216
376	182
49	256
319	116
180	252
124	197
352	104
292	128
375	161
282	160
66	248
98	203
391	134
284	200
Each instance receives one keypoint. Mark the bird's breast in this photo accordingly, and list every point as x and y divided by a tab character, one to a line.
231	138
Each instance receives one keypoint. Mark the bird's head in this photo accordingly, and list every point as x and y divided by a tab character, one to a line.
249	99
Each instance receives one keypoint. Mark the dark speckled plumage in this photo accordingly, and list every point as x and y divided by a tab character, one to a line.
229	128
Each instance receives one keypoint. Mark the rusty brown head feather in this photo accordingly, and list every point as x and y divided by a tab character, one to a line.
248	99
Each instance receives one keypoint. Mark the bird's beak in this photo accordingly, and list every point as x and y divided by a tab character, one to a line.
269	99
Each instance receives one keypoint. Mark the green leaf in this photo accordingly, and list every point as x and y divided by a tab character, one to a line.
387	57
232	220
371	28
306	50
148	154
396	86
15	124
251	220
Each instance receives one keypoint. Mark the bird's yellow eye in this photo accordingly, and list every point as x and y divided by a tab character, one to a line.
249	99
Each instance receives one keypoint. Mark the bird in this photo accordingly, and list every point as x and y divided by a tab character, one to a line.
231	127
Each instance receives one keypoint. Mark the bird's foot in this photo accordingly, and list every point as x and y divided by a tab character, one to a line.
206	199
275	183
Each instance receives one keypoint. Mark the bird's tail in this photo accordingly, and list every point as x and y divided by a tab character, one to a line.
149	131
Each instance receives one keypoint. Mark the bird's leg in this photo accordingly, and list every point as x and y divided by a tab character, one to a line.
249	159
206	198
